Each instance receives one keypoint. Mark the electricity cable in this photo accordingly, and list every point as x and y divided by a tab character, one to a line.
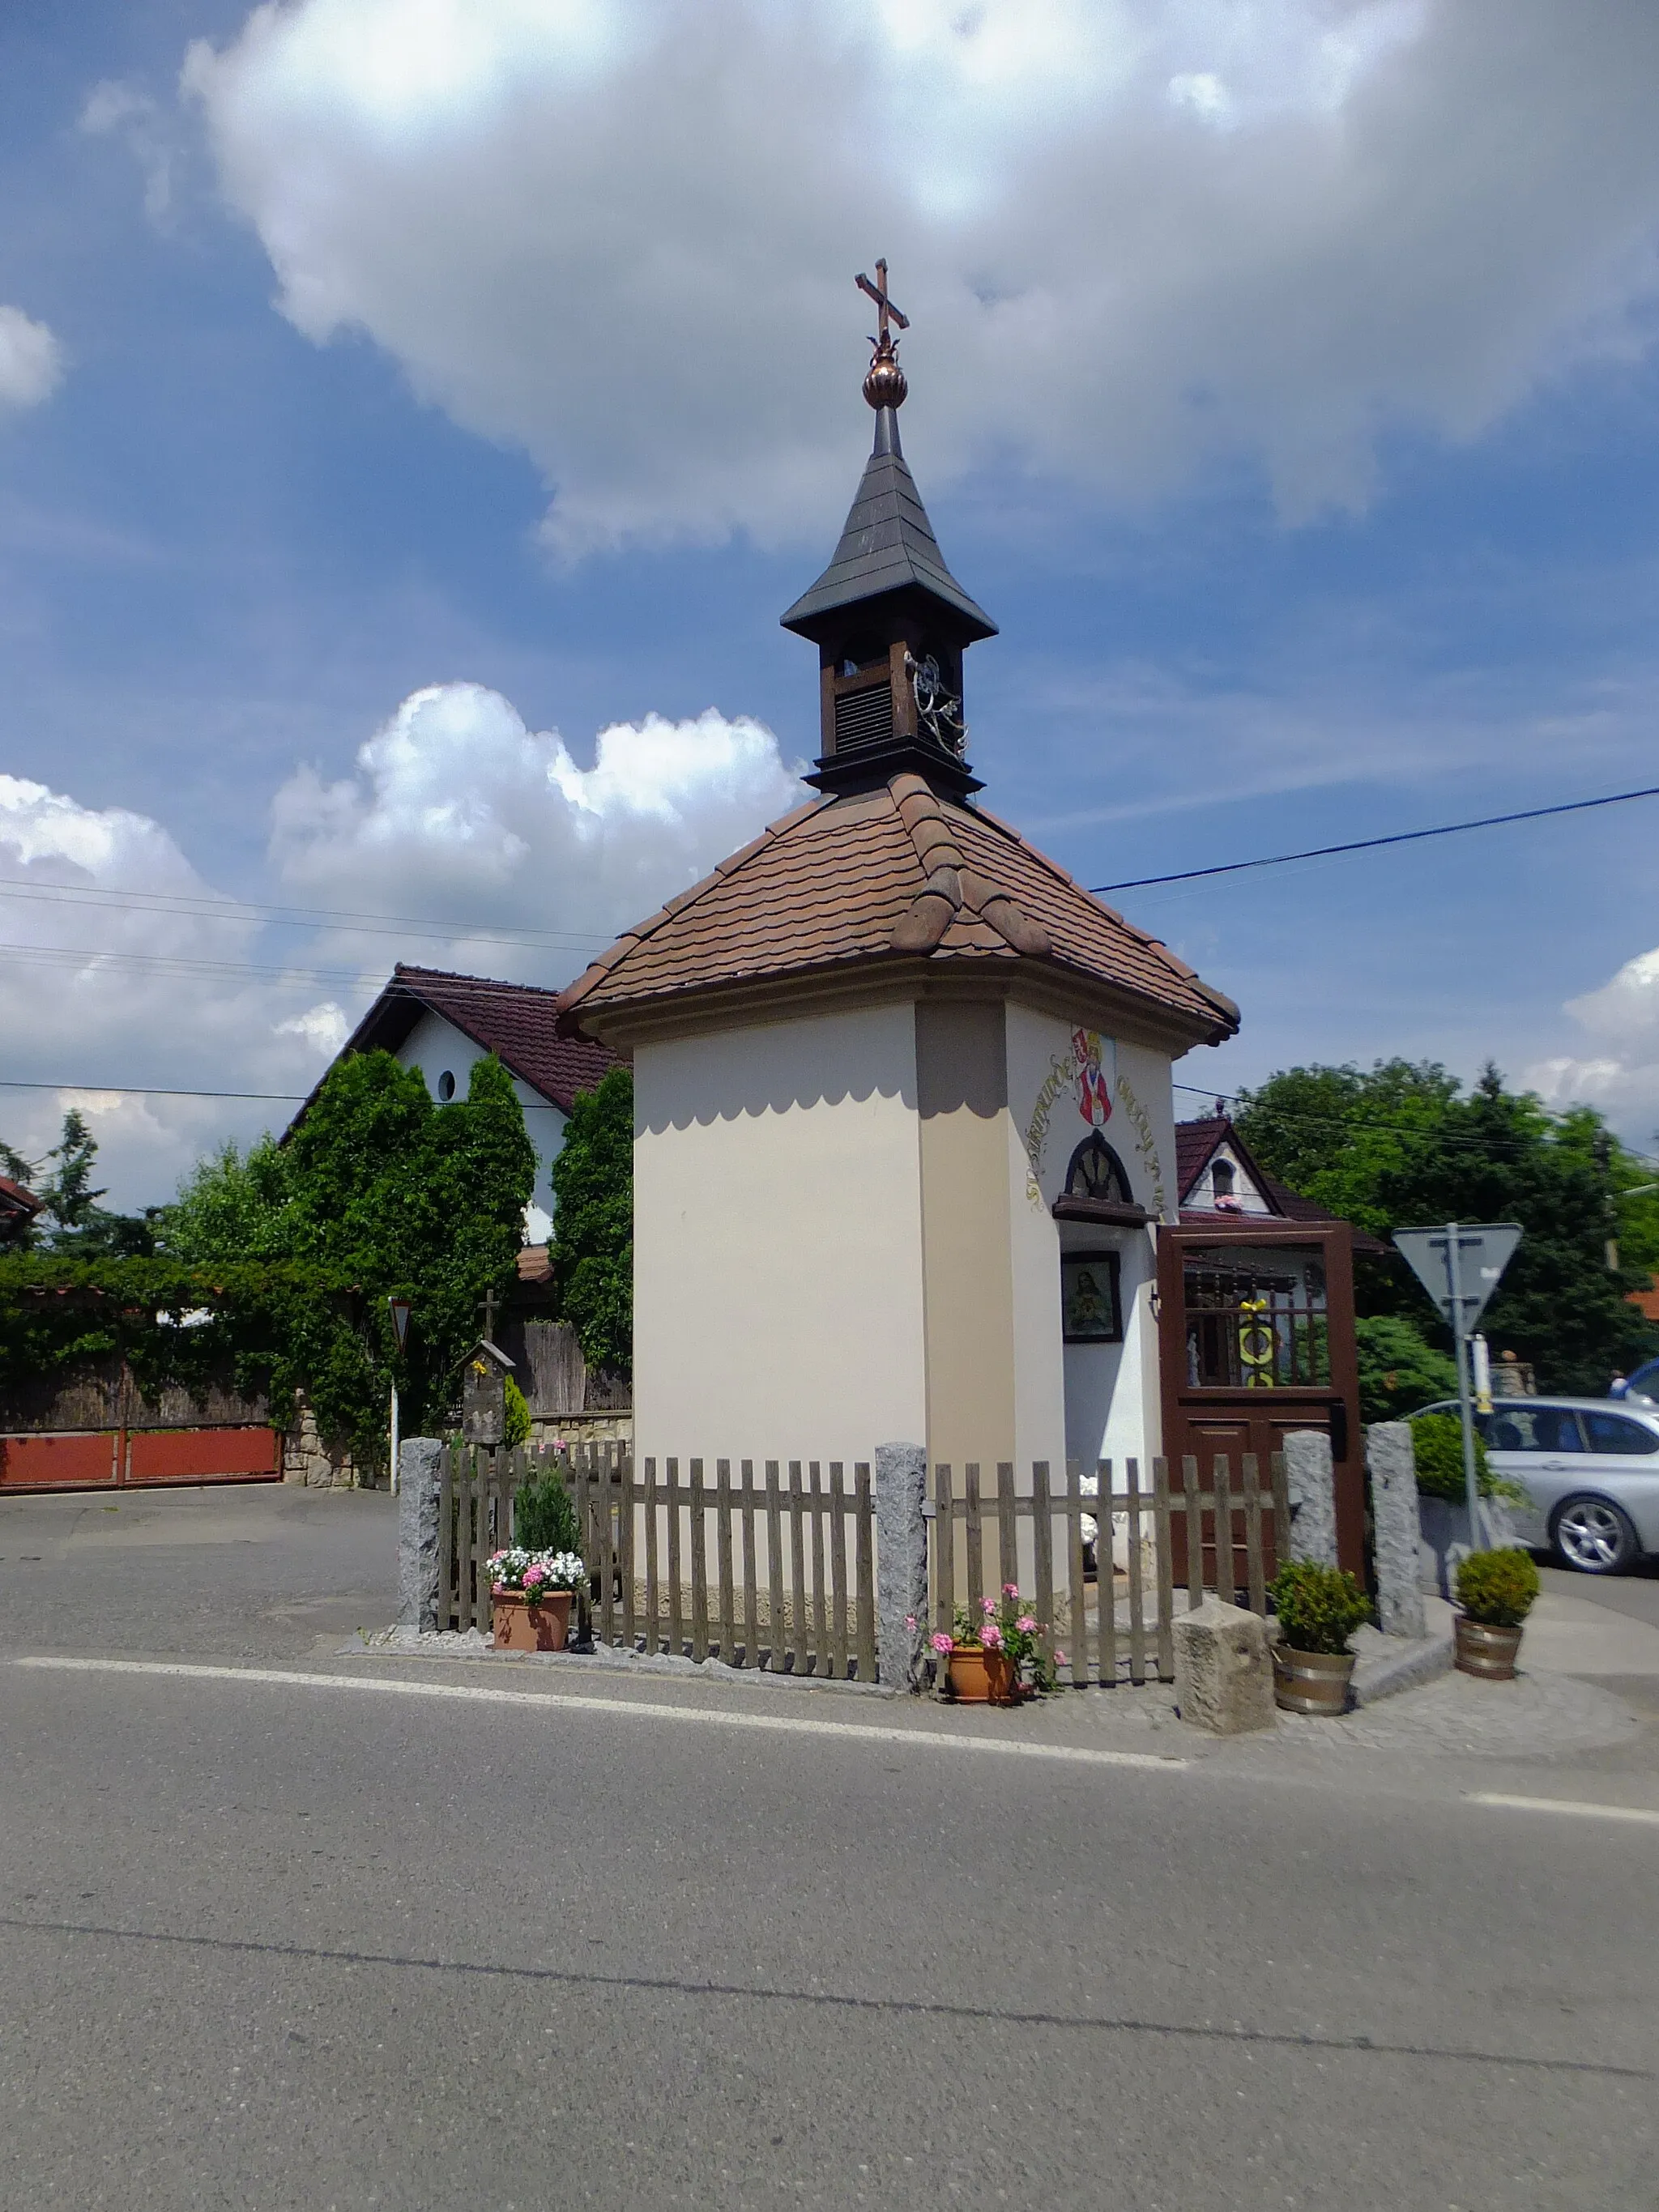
1371	844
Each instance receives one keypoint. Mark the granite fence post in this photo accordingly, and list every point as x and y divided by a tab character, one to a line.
1312	1489
901	1563
1391	1464
419	1461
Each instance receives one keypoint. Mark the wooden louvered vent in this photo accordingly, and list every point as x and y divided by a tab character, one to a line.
863	718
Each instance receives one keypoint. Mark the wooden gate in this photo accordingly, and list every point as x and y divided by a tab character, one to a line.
1255	1339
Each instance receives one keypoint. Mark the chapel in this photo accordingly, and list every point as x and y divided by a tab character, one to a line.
904	1134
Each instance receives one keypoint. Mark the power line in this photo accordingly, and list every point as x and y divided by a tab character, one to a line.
1369	844
154	1090
191	908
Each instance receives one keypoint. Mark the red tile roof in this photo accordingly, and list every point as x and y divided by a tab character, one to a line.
518	1022
1196	1143
18	1206
895	872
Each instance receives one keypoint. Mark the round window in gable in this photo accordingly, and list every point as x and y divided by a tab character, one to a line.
446	1087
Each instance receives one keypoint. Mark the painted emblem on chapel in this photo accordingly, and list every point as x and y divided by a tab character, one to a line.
1093	1097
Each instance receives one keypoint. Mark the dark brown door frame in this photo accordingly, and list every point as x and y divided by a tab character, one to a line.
1336	1408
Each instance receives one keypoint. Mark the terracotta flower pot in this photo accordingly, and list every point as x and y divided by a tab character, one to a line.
521	1626
1312	1681
979	1677
1480	1649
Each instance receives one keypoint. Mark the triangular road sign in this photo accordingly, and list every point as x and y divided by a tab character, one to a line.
1484	1250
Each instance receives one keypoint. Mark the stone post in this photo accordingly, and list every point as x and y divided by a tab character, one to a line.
1224	1675
901	1563
419	1461
1391	1464
1313	1495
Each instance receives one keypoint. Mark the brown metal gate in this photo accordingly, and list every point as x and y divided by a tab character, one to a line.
103	1459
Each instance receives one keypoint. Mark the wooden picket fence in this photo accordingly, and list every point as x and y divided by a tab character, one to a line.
779	1571
1108	1634
776	1572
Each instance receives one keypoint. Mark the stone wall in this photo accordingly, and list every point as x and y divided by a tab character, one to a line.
309	1463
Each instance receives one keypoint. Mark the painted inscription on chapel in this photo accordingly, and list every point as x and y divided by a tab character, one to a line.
1085	1082
1080	1081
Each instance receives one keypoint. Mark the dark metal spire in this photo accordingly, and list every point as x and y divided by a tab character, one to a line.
888	543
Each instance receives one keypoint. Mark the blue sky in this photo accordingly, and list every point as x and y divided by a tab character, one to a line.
1312	487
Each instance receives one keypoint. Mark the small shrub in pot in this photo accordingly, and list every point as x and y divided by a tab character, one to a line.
1495	1591
1319	1607
1498	1587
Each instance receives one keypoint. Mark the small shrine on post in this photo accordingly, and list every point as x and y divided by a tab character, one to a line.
904	1131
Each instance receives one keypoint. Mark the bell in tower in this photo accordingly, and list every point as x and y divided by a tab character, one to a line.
890	622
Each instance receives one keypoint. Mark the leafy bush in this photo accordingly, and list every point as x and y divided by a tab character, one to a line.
1319	1607
1398	1371
592	1247
1497	1587
1437	1446
544	1516
517	1431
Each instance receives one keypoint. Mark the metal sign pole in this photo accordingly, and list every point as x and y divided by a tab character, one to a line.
1461	1336
394	1440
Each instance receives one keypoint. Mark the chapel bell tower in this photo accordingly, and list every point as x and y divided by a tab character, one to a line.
890	622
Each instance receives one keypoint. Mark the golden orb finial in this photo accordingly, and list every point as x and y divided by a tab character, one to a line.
885	385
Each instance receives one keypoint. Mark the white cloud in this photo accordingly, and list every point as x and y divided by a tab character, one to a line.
116	108
31	360
1620	1073
456	802
121	963
1133	234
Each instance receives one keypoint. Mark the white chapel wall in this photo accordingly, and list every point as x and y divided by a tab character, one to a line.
438	1048
1066	1079
778	1302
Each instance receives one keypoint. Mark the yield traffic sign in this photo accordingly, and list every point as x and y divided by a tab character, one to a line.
1460	1265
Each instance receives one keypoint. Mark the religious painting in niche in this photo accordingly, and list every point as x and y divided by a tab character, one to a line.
1095	1171
1089	1307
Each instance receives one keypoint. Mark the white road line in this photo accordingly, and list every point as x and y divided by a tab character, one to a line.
618	1708
1579	1805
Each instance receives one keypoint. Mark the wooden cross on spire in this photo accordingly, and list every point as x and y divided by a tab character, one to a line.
884	387
884	308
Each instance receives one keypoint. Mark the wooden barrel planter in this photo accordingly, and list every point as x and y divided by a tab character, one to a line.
979	1677
521	1626
1480	1649
1314	1682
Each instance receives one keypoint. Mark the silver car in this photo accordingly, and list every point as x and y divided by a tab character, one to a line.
1590	1470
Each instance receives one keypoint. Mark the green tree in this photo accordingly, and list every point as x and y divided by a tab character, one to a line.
71	1199
1405	1145
381	1191
232	1205
1398	1371
592	1253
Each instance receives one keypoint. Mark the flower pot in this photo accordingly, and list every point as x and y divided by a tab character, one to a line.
1480	1649
1312	1681
979	1677
521	1626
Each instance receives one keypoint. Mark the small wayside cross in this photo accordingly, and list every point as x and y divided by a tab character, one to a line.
489	1316
884	308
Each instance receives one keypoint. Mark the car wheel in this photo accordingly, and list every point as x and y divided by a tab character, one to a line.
1592	1534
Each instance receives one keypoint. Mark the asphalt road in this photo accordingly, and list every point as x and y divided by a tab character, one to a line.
309	1943
253	1570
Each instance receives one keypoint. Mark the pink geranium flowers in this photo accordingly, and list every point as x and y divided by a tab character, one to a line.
1007	1626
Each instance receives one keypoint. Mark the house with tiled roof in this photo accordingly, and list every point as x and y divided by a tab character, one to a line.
905	1131
18	1208
442	1024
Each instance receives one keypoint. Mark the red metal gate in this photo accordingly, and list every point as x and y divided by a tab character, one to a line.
102	1459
